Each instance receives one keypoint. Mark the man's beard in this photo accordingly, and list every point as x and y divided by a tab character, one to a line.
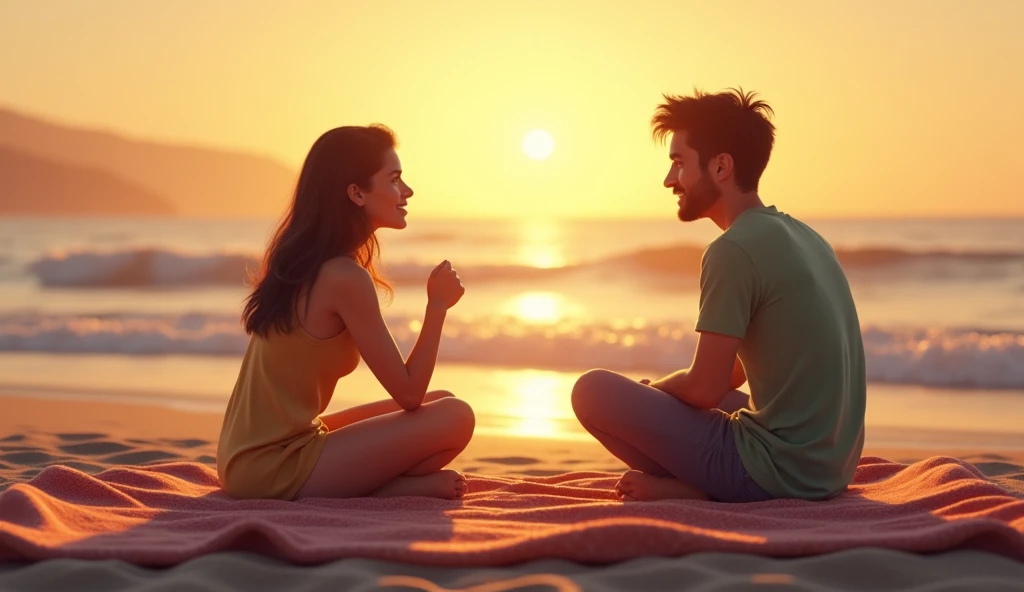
699	199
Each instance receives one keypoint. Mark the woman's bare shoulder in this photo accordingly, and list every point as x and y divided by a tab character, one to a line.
345	272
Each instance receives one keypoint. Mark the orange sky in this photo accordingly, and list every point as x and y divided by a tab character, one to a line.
883	108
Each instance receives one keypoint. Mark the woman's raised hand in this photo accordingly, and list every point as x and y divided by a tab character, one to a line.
444	288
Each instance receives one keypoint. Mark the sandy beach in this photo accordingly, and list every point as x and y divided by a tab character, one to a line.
93	436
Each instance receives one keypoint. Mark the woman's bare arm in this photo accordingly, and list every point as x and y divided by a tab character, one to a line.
351	289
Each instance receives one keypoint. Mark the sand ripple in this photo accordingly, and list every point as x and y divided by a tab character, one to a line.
23	455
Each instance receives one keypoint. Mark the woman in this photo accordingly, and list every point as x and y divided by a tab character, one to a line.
313	312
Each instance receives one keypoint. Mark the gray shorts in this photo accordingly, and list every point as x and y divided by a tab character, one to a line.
654	432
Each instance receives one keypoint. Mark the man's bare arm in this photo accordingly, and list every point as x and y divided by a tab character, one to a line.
713	373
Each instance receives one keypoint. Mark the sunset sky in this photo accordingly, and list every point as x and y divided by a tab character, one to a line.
883	108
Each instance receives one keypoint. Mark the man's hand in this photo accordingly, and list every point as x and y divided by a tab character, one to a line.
711	376
652	383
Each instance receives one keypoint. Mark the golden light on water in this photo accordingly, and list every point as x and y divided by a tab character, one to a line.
535	427
542	256
541	244
538	307
540	401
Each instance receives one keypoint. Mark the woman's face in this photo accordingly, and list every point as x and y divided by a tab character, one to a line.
384	205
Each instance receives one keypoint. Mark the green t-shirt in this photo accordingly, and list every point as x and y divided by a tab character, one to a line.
775	283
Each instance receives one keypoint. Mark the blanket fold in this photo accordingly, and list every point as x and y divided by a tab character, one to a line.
166	514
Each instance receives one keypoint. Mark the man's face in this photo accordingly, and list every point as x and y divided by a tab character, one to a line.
696	190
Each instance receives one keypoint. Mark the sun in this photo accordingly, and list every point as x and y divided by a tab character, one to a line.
538	144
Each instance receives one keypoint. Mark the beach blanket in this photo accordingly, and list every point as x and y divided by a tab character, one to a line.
166	514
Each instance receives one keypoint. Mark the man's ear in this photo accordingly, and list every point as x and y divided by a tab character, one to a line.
356	195
722	167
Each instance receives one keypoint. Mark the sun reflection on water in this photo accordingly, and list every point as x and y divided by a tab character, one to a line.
543	256
538	307
540	403
541	244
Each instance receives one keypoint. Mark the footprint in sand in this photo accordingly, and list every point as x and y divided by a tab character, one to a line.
999	469
28	458
140	457
988	456
95	448
84	466
13	438
193	443
27	474
207	459
539	472
20	448
78	437
510	460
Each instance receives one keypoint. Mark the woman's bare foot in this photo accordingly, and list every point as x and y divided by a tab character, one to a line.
445	484
636	486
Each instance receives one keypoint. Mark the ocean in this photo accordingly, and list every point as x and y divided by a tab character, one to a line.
146	310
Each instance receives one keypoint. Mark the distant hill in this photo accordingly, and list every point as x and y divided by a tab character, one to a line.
196	181
30	185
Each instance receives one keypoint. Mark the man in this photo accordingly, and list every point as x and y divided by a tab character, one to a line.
775	310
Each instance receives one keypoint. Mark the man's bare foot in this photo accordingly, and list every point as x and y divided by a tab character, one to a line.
445	484
636	486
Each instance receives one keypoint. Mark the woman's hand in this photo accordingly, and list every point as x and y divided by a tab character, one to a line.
444	288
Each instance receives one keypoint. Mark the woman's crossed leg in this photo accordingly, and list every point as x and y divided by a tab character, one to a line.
396	453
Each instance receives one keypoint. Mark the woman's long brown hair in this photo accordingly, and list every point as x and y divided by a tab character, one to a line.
321	223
